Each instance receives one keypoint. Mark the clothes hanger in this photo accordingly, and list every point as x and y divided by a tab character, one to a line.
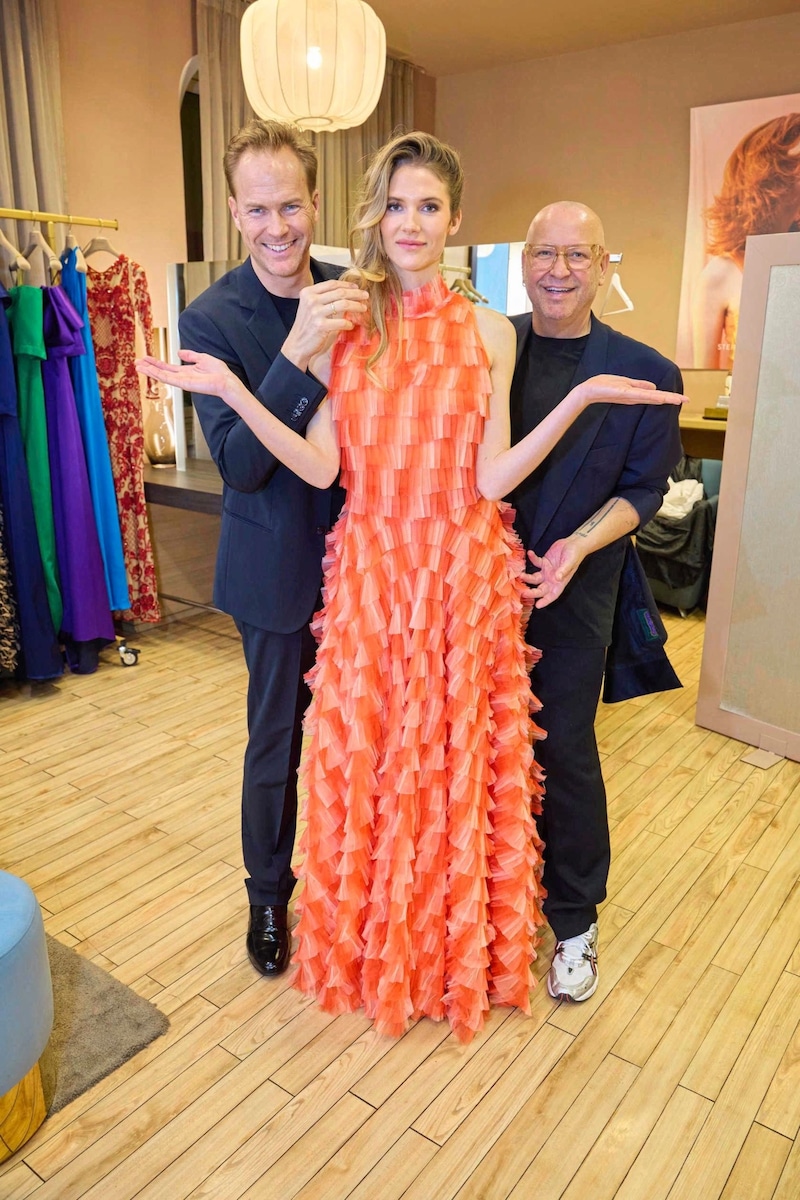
39	242
99	245
468	289
463	284
71	243
615	285
10	257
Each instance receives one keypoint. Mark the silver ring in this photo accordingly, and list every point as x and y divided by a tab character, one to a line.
333	307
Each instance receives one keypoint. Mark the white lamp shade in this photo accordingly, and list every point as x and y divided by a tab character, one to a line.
318	63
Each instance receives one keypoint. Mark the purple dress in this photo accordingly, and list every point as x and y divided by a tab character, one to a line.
40	655
87	616
95	442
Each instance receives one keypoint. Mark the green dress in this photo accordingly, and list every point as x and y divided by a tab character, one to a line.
25	318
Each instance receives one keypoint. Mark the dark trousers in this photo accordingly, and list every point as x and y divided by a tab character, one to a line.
574	821
277	698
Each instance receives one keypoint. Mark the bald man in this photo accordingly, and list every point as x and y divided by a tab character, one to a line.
575	514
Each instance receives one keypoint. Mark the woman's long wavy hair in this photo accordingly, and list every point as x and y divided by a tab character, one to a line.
763	168
372	268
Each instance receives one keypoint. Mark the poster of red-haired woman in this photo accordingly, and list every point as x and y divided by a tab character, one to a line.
744	178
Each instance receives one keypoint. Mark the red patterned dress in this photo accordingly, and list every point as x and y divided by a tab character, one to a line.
117	297
421	891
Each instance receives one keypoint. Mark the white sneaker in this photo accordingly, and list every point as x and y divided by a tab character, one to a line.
573	972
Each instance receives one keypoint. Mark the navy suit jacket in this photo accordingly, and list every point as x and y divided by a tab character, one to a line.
269	560
611	450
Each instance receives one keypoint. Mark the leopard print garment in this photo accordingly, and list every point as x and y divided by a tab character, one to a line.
9	629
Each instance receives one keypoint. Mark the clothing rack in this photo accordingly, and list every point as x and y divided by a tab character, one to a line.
53	219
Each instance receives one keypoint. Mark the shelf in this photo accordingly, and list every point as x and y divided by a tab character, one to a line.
702	437
198	488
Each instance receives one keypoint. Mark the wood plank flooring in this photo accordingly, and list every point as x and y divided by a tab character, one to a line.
679	1080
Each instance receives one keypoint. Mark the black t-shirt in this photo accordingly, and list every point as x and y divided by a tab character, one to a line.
544	376
286	307
583	614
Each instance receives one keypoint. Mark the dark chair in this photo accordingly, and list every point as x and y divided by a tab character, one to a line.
676	552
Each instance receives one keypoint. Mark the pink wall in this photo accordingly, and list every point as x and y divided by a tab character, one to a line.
609	127
121	64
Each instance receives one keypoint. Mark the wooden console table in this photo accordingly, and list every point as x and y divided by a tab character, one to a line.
185	509
701	437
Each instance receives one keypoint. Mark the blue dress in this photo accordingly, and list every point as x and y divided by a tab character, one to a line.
95	443
40	657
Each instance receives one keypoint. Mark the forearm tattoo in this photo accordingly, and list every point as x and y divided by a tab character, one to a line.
596	518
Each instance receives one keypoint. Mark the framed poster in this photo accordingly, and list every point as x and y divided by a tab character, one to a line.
744	179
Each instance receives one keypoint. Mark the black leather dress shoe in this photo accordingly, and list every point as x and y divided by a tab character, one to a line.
268	941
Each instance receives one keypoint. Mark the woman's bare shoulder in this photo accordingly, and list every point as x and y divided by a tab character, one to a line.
497	332
721	274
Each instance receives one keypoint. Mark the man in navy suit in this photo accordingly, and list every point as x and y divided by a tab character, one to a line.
266	319
604	479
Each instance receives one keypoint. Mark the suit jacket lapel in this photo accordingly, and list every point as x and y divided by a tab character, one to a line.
264	322
261	316
567	458
267	327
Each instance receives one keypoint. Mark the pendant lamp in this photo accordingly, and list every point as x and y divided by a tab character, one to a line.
318	63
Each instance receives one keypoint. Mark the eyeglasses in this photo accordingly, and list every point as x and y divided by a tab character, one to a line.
576	258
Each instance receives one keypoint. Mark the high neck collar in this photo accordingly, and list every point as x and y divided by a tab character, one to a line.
426	299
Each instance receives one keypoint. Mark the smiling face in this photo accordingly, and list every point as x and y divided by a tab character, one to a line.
561	298
416	224
275	213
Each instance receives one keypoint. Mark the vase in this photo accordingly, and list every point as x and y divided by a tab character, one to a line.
159	431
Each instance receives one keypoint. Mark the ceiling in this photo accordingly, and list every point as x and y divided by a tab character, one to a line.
446	37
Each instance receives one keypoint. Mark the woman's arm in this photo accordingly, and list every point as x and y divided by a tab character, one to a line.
315	457
501	466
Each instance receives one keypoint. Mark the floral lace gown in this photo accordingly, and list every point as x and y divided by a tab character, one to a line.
117	297
421	862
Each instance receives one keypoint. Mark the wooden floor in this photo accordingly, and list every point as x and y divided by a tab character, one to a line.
679	1079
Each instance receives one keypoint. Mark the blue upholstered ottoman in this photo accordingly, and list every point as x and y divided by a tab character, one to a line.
26	1013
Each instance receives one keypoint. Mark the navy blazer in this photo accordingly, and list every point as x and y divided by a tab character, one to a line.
611	450
269	560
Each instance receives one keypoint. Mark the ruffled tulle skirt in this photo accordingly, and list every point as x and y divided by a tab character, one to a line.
421	862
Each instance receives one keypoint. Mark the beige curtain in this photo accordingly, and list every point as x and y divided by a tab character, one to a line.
32	165
224	108
344	154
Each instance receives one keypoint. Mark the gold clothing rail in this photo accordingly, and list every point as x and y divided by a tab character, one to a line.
53	219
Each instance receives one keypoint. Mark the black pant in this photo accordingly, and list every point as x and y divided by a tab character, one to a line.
277	698
574	821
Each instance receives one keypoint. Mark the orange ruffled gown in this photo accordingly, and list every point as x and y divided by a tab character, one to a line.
421	862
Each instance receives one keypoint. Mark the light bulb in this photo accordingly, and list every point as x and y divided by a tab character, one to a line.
314	57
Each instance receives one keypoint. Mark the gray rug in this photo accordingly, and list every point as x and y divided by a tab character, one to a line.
99	1024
